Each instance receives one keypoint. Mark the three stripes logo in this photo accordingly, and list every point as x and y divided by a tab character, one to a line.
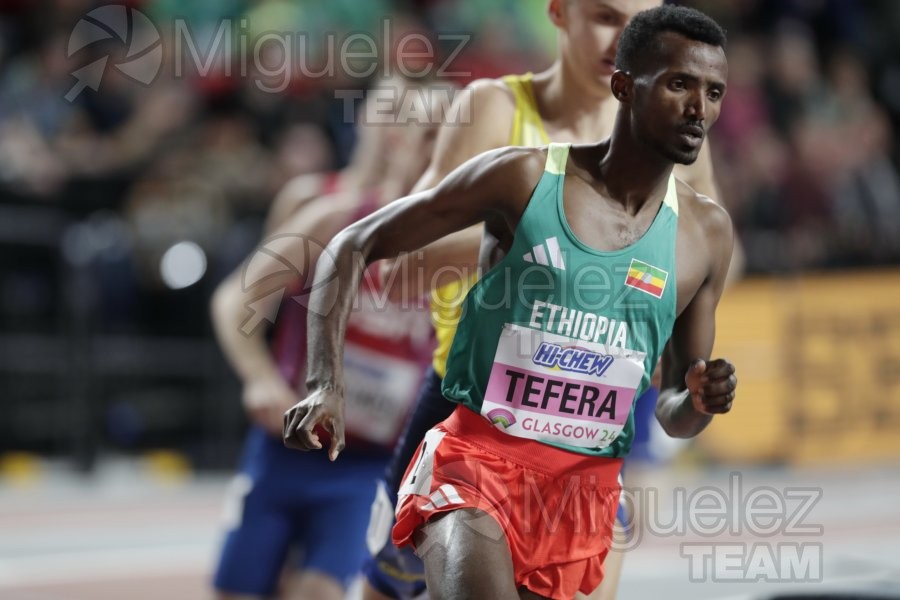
547	254
441	497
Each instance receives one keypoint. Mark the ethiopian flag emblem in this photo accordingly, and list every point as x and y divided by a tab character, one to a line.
646	278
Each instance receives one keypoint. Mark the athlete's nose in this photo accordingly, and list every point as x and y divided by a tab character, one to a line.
695	108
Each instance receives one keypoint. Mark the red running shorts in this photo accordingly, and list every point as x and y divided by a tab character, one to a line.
556	507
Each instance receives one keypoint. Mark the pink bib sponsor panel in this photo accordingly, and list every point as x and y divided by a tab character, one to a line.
549	387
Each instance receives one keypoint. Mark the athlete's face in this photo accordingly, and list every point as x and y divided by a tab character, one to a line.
676	96
589	36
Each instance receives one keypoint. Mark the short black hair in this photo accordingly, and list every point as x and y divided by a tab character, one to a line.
642	34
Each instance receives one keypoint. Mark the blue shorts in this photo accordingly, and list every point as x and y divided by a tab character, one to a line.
395	572
288	504
399	573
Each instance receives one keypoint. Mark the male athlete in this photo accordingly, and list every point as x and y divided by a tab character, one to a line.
610	261
569	102
279	518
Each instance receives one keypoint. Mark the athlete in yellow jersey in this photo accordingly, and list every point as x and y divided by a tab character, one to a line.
527	130
571	101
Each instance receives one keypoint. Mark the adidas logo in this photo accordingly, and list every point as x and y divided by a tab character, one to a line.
547	254
444	495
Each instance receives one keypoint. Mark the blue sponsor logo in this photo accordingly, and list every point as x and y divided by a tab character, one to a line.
574	359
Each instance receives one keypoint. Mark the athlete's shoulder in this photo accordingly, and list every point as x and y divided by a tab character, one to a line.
491	105
481	118
709	217
491	92
507	174
517	160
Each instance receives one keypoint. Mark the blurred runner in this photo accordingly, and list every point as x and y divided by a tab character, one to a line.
292	510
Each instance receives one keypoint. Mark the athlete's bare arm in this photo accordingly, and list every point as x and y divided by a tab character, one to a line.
478	121
239	308
694	388
295	194
492	188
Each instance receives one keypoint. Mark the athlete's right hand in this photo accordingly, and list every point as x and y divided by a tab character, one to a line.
322	407
265	400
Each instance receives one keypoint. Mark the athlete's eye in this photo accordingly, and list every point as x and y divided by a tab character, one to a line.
715	95
606	17
677	84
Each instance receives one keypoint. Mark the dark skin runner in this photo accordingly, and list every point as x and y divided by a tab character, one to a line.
613	190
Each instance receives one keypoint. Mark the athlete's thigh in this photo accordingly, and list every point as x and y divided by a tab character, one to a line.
334	535
463	561
255	548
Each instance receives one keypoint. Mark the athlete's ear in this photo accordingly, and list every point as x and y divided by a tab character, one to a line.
555	9
622	85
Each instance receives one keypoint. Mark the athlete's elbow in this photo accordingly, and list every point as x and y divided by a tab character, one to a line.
221	301
348	250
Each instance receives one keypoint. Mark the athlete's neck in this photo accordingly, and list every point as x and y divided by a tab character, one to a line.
566	106
632	173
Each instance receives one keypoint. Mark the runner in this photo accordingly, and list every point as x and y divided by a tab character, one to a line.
613	207
278	517
571	101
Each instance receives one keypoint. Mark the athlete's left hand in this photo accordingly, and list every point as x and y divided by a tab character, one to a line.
321	407
711	385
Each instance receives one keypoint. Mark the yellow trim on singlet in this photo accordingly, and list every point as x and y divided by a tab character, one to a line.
557	154
528	129
671	199
446	302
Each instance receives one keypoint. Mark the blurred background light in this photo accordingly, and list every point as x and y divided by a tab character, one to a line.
182	265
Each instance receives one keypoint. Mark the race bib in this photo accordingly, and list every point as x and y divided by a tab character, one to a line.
378	392
553	388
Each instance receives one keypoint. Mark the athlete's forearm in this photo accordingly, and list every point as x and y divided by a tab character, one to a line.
245	349
677	415
337	277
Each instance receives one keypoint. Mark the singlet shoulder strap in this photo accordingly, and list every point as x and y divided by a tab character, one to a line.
557	154
528	128
671	199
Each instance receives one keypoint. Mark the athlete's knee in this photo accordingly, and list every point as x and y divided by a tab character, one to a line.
227	596
313	585
466	556
370	593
